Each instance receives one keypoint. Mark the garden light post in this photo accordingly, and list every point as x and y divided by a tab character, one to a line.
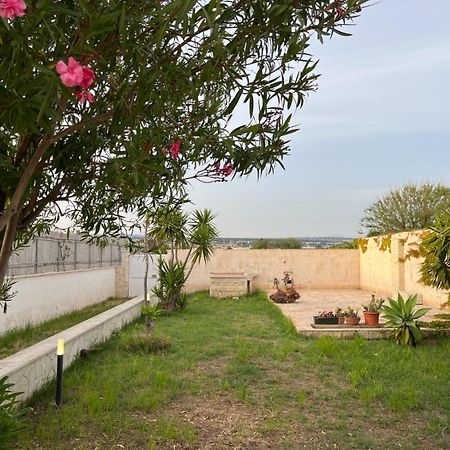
59	370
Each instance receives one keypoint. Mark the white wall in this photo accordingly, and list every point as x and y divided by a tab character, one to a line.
42	297
137	274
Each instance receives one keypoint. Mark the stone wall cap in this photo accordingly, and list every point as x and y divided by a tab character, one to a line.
245	275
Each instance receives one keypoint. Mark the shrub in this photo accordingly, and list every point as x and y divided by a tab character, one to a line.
182	301
144	343
435	246
10	413
150	314
402	317
172	277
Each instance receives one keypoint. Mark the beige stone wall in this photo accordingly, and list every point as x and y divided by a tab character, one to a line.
311	268
229	286
375	269
397	269
386	272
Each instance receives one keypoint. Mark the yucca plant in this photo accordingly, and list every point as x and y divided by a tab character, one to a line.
435	246
401	316
193	232
150	314
172	277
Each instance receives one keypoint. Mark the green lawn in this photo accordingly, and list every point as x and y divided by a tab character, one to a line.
18	339
237	375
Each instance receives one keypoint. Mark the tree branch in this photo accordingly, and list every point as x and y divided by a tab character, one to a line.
46	142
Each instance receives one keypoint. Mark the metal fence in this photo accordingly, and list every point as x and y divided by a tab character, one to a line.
56	253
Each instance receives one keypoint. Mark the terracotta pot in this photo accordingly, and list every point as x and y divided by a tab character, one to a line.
341	320
371	318
352	320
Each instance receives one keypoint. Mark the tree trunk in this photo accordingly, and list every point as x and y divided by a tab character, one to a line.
6	245
146	256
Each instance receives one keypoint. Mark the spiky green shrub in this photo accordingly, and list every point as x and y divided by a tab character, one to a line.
401	316
10	413
194	233
172	276
435	246
150	314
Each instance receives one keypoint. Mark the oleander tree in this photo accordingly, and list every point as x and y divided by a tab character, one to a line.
106	107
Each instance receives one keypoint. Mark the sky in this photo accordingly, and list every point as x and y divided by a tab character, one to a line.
379	119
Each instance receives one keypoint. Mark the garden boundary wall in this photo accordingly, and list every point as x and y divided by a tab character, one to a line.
384	265
32	368
311	268
56	252
391	264
43	296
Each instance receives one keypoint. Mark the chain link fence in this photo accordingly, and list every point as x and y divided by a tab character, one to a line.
55	253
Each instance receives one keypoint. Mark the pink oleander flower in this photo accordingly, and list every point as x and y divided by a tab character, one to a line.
88	77
71	74
175	149
10	9
228	169
85	96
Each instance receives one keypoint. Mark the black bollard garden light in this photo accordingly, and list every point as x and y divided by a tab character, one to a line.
59	370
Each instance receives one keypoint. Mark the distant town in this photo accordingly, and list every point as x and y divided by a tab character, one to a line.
306	242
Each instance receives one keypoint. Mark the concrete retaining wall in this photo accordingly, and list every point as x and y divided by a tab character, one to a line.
45	296
33	367
311	268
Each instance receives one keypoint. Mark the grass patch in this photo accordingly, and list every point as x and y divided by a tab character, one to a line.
18	339
144	343
238	376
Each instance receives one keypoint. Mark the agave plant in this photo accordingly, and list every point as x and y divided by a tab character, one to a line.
402	317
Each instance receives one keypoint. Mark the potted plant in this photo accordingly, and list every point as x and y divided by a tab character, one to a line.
351	316
339	312
326	318
372	311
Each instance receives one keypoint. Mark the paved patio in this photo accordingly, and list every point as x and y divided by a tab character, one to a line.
312	301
